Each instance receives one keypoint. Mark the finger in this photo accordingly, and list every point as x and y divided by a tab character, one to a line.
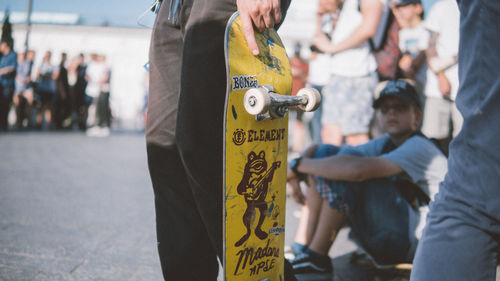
249	34
276	13
267	15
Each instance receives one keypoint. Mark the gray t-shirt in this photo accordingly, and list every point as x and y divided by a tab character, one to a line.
423	164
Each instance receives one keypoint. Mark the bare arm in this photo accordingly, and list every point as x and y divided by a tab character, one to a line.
7	69
349	168
371	11
258	14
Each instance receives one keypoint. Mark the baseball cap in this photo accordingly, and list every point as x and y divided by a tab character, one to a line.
400	89
404	2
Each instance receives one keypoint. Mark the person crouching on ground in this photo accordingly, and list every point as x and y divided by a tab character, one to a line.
380	189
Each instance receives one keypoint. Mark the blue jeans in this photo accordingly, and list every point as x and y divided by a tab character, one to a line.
376	212
462	237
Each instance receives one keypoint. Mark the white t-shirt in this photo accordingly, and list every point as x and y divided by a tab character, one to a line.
444	19
357	61
413	41
95	72
319	67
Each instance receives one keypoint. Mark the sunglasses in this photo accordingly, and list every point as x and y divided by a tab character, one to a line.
397	107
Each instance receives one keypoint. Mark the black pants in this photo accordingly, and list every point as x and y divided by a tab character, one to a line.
6	94
184	134
103	111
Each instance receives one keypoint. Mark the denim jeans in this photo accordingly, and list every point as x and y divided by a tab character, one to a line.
376	212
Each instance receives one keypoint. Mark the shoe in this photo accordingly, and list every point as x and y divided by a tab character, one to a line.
305	263
103	132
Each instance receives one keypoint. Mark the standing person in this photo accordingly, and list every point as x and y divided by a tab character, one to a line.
300	71
184	130
442	74
23	97
381	189
8	66
62	104
413	40
103	110
46	90
79	92
319	63
348	96
98	74
461	239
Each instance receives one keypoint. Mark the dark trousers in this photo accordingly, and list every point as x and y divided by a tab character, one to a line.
103	111
184	135
6	94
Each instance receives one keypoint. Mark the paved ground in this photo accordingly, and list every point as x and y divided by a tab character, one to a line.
79	208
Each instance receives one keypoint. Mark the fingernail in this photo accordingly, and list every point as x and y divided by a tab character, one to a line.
255	52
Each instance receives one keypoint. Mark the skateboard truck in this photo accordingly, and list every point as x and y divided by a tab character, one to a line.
264	103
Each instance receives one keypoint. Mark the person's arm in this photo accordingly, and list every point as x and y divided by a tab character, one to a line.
349	168
258	14
371	11
7	69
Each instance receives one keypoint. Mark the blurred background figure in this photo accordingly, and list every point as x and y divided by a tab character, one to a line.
62	104
319	63
442	120
99	89
45	91
413	40
300	70
24	96
77	72
347	98
8	66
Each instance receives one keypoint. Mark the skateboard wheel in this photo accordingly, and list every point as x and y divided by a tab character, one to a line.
257	101
313	99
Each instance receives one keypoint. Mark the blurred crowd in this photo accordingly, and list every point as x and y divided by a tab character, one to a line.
346	52
71	94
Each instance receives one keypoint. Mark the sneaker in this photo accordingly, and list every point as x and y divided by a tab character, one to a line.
304	263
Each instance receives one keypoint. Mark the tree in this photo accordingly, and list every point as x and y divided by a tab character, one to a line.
7	30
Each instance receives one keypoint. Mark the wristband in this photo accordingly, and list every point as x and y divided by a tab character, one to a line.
294	166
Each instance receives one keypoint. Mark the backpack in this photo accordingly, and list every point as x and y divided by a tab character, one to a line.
385	46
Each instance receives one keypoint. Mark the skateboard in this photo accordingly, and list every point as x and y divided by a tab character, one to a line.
255	153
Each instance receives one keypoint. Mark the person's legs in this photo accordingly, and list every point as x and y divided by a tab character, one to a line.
308	220
436	118
183	241
357	108
200	117
379	221
458	244
316	120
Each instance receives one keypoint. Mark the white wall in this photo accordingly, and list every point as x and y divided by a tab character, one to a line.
126	50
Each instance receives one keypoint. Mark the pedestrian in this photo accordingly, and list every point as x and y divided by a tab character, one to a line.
319	63
62	104
184	130
348	96
24	96
461	239
82	101
8	66
46	91
300	71
381	189
442	120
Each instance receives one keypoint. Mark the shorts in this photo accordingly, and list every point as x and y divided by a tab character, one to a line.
440	117
347	101
376	212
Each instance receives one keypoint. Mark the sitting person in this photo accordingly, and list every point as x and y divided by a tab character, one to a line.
381	189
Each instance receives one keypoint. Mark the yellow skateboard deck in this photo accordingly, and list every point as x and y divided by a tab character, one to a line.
255	159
